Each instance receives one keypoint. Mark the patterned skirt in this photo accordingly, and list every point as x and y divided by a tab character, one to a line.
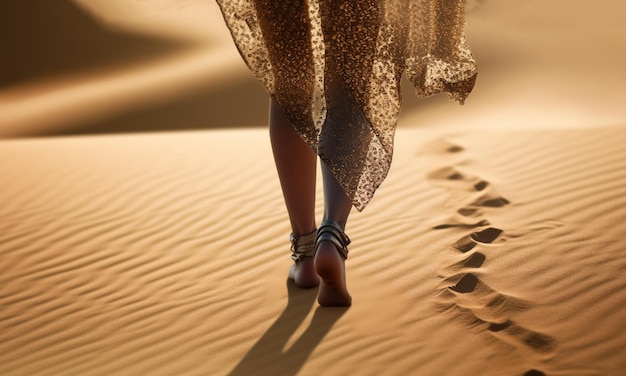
334	69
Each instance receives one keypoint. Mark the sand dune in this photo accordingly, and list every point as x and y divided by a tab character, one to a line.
492	253
493	248
542	64
60	38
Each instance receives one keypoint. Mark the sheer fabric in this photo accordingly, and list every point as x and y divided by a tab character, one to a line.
334	68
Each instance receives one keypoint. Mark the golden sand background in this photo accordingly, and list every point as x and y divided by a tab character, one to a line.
495	246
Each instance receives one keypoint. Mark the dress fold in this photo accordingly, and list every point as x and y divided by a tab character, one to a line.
334	68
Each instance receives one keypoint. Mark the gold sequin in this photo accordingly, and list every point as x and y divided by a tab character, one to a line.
334	68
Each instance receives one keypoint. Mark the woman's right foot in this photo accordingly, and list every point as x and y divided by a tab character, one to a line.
330	258
330	266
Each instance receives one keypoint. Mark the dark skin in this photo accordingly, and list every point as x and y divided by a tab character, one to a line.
296	164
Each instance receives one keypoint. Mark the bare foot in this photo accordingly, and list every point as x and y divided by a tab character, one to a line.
303	273
330	266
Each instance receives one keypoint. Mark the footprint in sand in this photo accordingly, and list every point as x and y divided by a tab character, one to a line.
467	191
504	331
489	199
451	177
453	222
470	292
466	284
463	294
533	372
467	263
470	212
467	297
464	218
488	235
535	341
474	261
441	146
468	216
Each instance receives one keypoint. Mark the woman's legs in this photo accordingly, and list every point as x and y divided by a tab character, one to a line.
329	264
296	165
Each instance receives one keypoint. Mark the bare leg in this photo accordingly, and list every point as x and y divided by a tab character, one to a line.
329	264
296	164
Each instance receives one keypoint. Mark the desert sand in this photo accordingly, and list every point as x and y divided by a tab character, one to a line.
143	230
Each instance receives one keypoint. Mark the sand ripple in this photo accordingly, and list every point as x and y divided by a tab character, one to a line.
486	254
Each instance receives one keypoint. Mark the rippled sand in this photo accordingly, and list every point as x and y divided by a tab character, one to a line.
493	248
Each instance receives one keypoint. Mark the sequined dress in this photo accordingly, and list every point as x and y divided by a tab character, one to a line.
334	69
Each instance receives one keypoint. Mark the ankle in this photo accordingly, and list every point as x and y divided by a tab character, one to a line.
303	245
338	221
303	230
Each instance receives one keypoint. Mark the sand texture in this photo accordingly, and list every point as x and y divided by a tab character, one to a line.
495	246
167	254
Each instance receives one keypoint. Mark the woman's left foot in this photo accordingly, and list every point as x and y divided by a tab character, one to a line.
302	272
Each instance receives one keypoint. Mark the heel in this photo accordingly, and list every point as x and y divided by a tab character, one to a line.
331	253
302	252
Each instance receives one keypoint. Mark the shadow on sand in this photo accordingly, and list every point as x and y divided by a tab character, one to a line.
268	356
42	39
240	103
